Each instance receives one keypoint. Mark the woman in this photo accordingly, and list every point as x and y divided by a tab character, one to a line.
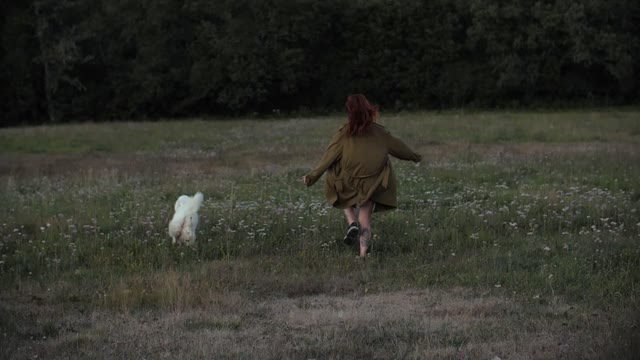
359	174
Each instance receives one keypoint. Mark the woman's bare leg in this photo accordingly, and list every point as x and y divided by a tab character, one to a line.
364	217
350	214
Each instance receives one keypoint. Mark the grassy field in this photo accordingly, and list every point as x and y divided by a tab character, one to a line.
517	237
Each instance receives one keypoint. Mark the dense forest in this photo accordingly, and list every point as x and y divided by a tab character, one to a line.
64	60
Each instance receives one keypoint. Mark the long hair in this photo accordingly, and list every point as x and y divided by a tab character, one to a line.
361	114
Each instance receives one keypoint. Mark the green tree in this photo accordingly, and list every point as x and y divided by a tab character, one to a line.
18	95
58	35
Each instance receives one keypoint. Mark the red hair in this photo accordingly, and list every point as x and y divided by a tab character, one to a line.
361	114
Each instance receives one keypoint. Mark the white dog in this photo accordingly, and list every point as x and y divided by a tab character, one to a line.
185	220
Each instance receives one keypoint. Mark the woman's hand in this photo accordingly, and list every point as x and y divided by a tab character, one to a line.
305	180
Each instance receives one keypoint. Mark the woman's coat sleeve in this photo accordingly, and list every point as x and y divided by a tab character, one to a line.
400	150
331	155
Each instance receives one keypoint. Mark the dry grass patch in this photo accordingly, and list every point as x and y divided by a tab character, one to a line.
418	324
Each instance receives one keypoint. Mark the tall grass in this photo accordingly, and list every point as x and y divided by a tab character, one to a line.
537	221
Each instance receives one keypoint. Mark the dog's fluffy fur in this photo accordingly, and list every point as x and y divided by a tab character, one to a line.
182	227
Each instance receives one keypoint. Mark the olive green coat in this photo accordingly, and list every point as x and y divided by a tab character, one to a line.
358	168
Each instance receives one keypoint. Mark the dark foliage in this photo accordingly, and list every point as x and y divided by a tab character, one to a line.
67	60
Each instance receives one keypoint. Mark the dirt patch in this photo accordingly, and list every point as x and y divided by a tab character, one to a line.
496	153
251	162
53	165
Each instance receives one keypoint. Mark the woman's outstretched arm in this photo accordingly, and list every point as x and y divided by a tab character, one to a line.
400	150
332	154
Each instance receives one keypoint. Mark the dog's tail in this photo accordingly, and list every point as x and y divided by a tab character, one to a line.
191	205
198	198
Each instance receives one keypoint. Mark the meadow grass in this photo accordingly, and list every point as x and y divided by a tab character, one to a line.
534	213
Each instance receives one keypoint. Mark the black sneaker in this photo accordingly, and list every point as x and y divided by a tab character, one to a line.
352	234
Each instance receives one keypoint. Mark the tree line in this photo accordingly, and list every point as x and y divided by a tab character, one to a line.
65	60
